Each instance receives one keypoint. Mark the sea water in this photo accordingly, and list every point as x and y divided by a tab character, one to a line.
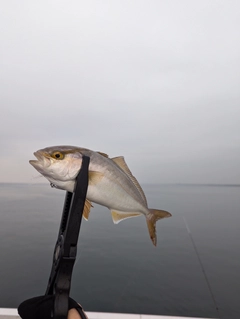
194	268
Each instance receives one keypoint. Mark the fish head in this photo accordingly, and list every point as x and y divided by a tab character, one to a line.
59	164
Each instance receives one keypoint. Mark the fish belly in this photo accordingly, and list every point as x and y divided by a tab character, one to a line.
114	196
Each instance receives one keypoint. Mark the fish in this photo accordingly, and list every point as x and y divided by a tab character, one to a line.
111	183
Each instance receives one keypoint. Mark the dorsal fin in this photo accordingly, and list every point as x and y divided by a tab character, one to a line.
86	210
122	164
103	154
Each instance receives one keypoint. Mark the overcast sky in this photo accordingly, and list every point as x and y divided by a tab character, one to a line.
155	81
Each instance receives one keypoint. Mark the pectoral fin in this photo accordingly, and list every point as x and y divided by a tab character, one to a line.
86	209
118	216
94	177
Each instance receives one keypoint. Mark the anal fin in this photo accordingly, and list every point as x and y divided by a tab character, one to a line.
118	216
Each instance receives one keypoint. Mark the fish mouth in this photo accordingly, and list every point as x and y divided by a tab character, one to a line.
42	159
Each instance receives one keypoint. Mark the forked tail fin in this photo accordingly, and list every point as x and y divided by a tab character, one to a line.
151	218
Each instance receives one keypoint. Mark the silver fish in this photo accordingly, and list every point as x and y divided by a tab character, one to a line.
111	183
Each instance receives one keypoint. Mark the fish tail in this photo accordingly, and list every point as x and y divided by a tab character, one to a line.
151	218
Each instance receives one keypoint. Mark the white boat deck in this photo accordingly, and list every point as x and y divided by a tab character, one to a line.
10	313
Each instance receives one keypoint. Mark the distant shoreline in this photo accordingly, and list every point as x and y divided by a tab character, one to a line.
147	184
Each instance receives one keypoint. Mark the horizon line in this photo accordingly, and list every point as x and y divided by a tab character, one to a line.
147	183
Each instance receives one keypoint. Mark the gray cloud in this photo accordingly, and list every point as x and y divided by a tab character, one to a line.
157	82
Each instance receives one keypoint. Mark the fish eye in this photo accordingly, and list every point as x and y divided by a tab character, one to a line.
57	155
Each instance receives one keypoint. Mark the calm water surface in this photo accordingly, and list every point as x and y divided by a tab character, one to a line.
118	269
